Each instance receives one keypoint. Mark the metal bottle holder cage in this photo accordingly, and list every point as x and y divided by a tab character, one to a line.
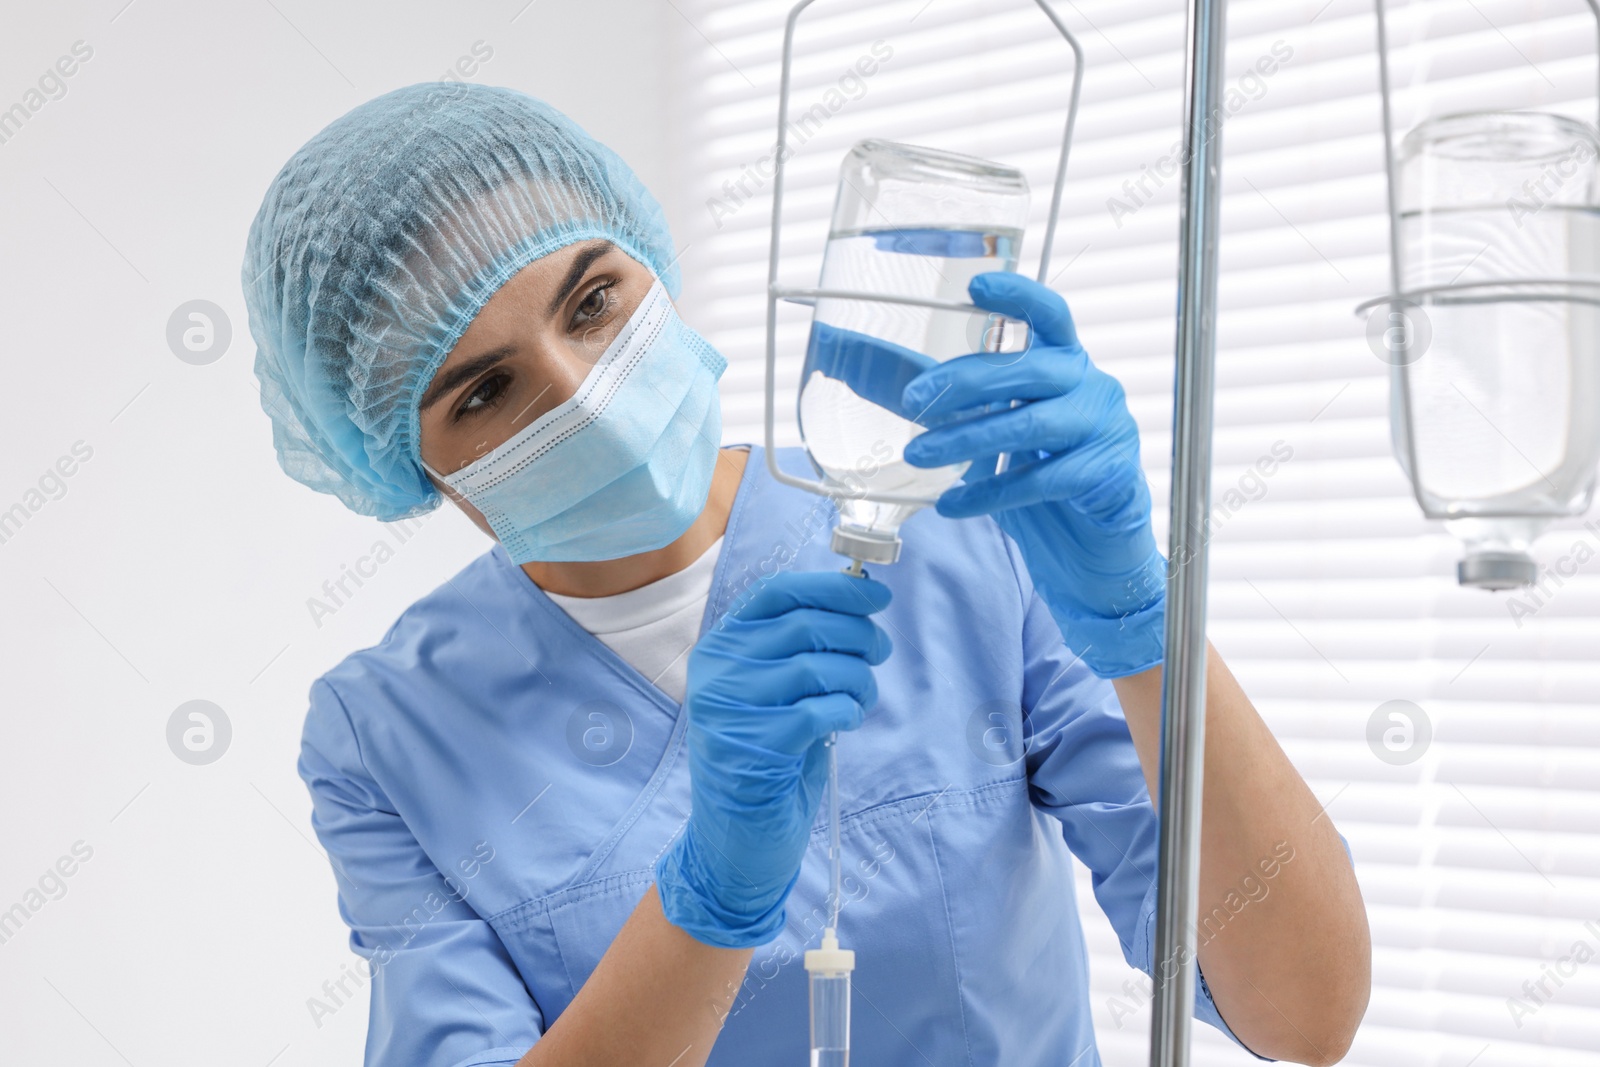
1479	292
776	292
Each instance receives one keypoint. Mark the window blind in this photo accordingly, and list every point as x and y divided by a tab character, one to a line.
1473	816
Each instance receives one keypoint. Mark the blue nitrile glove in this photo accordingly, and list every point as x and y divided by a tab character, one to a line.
1074	499
766	687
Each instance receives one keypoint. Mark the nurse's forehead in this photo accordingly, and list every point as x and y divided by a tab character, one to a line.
534	294
544	285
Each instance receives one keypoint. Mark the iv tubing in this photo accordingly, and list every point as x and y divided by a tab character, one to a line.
828	966
835	852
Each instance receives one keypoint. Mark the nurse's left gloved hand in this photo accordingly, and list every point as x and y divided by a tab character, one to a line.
766	686
1074	499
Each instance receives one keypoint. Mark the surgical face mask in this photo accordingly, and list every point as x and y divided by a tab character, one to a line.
622	467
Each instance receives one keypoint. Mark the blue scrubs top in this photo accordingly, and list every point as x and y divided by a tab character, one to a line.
493	786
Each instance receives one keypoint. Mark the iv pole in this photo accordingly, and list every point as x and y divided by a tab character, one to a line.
1183	686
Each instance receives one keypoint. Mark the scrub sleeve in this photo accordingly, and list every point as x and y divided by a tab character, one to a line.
441	979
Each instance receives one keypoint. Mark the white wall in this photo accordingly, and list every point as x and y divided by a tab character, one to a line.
178	561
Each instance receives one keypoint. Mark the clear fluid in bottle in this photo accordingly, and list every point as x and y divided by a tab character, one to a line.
854	443
1504	395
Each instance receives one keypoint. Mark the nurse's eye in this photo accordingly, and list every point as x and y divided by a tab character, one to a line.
596	305
485	396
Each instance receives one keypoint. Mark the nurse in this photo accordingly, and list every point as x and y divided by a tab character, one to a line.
571	798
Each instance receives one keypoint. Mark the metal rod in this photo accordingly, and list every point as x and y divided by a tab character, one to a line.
1399	381
1594	9
1390	173
782	148
1059	184
1440	294
798	295
1183	687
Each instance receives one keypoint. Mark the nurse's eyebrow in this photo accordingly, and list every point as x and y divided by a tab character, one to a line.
463	372
575	272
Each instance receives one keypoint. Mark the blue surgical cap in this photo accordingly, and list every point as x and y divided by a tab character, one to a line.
378	243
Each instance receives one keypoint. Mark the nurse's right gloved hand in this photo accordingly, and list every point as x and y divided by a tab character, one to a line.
767	685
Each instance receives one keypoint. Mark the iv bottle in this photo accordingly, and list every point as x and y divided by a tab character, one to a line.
910	222
1494	403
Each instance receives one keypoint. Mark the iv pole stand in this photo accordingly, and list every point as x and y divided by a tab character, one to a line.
1183	686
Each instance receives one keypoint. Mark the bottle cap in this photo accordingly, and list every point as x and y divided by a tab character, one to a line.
1497	570
830	959
868	546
